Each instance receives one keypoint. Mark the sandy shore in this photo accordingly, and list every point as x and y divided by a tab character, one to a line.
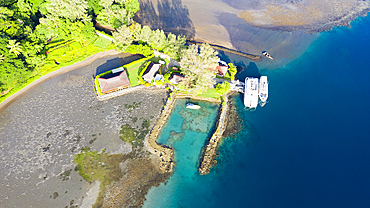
58	72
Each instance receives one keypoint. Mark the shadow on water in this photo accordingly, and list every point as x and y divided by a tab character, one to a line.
250	71
172	17
116	62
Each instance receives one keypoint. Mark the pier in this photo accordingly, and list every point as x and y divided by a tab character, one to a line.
221	48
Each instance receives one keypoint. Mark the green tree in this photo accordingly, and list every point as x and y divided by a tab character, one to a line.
199	68
123	37
32	55
116	13
94	7
157	40
69	9
14	47
143	35
232	70
12	68
8	25
223	88
174	45
139	49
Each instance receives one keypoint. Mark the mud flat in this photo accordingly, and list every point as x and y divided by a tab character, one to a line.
42	130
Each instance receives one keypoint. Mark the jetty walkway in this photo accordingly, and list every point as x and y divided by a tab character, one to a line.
209	152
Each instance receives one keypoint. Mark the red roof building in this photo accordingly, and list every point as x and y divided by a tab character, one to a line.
114	83
222	70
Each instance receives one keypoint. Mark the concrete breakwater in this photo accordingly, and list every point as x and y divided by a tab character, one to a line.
165	153
209	151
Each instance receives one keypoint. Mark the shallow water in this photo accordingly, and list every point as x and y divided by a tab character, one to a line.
186	131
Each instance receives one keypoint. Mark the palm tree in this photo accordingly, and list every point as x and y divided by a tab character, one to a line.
14	47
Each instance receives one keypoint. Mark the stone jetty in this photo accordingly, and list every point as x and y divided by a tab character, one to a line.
210	150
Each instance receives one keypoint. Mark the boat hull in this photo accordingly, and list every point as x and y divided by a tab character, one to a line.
251	92
192	106
263	89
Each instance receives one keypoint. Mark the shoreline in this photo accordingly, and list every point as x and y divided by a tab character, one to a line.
85	62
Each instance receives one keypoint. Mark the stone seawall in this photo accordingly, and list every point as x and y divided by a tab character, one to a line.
128	91
165	153
210	150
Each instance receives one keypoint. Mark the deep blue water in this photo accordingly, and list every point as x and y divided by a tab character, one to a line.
308	147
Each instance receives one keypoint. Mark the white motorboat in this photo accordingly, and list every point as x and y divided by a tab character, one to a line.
263	89
265	53
192	106
251	92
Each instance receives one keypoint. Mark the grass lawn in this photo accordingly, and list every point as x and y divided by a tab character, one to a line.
227	76
102	42
134	69
210	93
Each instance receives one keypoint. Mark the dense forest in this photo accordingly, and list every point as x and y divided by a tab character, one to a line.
30	30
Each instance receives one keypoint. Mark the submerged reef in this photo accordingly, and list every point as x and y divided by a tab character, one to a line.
309	15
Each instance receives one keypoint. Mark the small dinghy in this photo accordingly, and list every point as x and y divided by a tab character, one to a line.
267	55
192	106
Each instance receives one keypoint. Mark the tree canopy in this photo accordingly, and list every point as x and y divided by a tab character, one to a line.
31	29
199	67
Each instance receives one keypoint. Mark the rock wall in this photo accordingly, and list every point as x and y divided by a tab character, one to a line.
210	150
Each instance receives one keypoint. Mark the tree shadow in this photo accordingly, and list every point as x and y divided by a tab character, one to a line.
250	71
172	17
116	62
243	70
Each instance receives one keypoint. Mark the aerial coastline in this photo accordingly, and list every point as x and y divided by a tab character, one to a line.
122	126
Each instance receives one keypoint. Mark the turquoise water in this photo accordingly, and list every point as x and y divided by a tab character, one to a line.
308	147
186	131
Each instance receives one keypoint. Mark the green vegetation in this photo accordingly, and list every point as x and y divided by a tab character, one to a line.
133	136
40	36
199	68
93	166
223	88
102	42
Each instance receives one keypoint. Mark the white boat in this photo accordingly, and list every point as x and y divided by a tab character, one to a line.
192	106
267	55
263	89
251	92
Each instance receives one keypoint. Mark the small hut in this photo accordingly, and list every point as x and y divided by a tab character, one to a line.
222	70
176	78
150	71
